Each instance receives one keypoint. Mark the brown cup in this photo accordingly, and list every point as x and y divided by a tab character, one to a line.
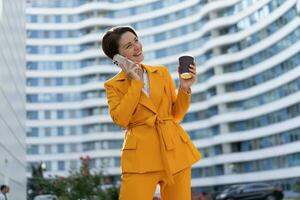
184	64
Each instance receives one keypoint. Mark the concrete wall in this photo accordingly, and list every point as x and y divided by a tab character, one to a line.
12	97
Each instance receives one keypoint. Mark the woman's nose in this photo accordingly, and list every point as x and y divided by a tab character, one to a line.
136	47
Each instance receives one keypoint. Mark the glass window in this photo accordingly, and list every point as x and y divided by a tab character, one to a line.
32	98
160	37
61	165
60	114
34	149
32	82
48	165
48	149
60	148
47	114
33	115
33	132
60	131
47	131
73	147
60	97
73	164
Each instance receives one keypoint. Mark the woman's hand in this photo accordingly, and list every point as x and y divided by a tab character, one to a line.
132	71
186	84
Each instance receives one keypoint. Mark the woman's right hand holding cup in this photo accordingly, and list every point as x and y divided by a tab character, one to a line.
187	72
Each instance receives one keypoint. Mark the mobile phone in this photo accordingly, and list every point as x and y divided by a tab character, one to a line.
118	59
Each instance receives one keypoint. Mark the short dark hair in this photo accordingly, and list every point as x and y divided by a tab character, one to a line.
3	187
110	40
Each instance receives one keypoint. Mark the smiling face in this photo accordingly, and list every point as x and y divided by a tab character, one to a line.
131	47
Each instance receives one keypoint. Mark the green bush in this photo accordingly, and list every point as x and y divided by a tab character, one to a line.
79	185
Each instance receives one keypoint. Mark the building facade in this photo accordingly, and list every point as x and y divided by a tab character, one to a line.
12	98
244	115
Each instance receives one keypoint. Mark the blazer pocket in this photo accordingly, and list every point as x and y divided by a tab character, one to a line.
130	143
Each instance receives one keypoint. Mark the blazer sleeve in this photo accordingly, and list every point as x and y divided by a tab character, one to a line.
180	102
121	109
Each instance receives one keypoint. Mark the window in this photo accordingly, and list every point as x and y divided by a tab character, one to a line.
34	149
285	137
60	114
88	146
48	149
32	82
73	130
73	147
161	53
48	165
32	115
60	98
33	132
61	165
73	164
47	114
160	37
60	131
33	98
60	148
47	131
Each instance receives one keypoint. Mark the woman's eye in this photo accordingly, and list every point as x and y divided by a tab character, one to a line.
128	46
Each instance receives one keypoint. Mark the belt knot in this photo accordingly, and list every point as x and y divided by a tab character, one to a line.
156	120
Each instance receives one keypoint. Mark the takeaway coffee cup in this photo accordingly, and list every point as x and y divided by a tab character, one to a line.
184	63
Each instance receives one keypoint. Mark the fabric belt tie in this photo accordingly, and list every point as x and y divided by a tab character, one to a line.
165	141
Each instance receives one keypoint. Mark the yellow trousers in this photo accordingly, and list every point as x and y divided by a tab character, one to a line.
136	186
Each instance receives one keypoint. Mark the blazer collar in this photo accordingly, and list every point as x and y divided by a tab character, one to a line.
122	76
156	87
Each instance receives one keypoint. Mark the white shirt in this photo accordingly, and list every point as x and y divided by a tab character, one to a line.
146	84
2	197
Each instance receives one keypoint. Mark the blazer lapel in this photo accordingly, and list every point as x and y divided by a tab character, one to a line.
156	84
122	84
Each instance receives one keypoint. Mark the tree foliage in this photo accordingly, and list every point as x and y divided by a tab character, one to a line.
79	185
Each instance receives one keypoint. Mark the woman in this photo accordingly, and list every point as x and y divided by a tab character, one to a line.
142	99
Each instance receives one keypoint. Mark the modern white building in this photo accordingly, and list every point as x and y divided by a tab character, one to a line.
245	111
12	98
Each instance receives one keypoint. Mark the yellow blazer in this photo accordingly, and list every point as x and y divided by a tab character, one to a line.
154	140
